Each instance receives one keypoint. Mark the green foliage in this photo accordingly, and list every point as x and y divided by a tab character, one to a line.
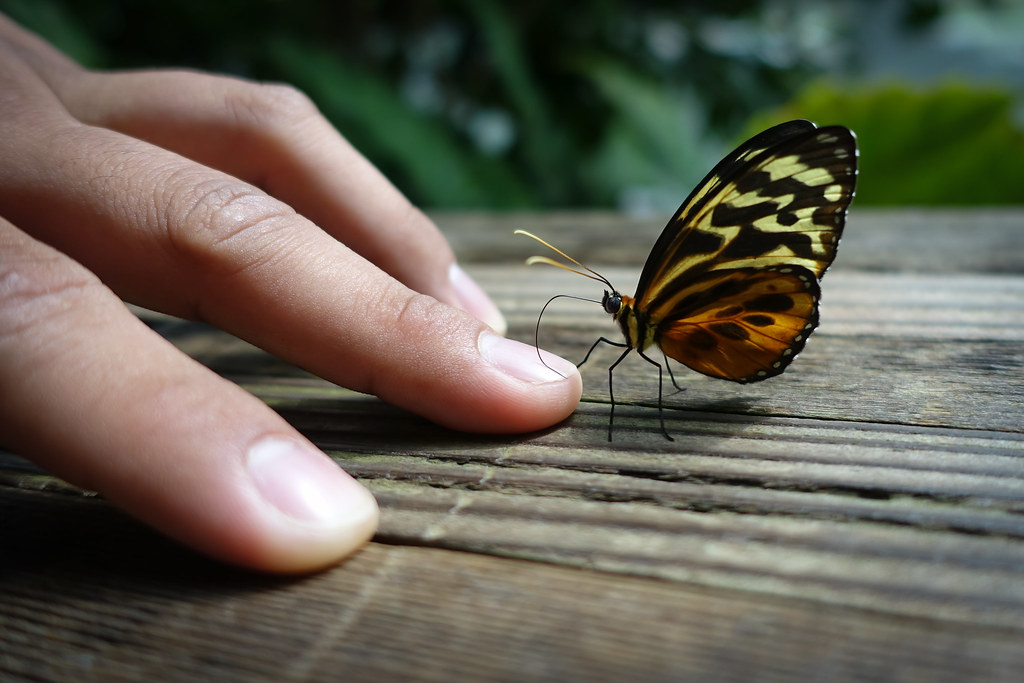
372	114
543	145
656	137
485	104
55	22
954	144
474	103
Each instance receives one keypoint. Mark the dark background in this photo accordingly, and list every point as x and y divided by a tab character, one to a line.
533	104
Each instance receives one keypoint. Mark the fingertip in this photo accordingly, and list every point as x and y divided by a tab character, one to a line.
313	513
522	361
544	388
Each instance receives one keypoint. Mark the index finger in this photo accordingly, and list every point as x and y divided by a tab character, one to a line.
274	137
173	235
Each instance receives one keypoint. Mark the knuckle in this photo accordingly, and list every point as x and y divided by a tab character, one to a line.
416	311
421	331
269	106
39	286
223	226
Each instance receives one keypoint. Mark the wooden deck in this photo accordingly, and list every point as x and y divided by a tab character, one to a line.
859	517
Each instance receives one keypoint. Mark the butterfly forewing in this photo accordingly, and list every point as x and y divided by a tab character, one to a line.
780	199
790	206
725	168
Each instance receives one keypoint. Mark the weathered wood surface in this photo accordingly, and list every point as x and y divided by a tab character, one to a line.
858	517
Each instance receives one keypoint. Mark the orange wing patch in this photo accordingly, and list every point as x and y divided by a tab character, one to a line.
750	335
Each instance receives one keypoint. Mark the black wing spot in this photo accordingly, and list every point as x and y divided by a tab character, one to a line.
701	242
759	320
702	341
731	331
787	218
770	303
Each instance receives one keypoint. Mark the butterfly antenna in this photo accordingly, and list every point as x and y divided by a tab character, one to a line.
536	329
584	271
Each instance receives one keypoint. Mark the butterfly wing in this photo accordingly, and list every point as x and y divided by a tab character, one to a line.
768	215
743	325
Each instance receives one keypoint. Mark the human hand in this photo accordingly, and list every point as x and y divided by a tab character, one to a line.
216	199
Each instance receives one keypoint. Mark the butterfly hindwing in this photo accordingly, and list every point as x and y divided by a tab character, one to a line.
743	325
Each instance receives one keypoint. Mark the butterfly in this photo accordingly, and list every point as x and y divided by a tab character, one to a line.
731	287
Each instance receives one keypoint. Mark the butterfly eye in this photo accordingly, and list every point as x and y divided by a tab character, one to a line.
612	302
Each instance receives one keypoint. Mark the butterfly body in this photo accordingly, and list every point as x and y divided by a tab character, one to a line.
730	288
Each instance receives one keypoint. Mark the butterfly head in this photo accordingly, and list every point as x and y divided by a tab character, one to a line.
611	302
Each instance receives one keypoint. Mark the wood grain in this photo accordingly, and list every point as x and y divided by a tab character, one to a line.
106	600
859	517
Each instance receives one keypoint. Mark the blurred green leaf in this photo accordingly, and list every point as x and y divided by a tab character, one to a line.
591	104
53	21
545	149
420	149
656	139
954	144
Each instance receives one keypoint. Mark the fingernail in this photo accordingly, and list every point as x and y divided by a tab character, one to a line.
475	300
520	360
305	484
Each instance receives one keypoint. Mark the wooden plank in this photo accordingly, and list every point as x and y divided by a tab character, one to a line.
104	599
912	521
866	504
908	520
906	305
910	360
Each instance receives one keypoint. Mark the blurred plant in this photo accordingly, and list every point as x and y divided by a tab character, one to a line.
479	103
432	160
953	144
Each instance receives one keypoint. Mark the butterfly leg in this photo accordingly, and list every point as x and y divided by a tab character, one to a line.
611	391
661	412
668	366
594	346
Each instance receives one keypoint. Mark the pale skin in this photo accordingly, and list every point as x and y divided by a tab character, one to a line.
235	203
